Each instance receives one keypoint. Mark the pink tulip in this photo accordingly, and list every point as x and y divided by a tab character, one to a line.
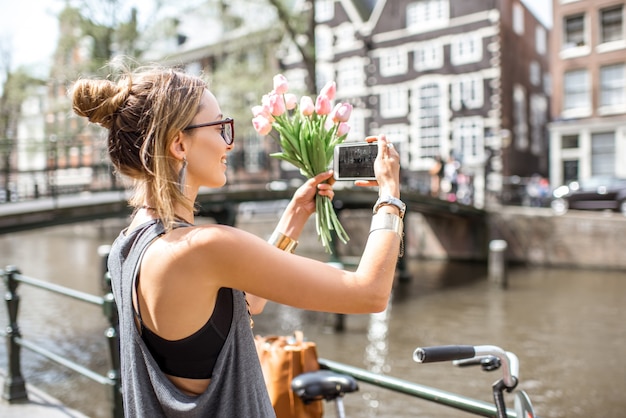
306	106
329	90
322	105
260	110
281	85
342	112
343	129
275	103
290	101
262	125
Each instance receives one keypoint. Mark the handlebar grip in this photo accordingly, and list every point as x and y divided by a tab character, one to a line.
443	353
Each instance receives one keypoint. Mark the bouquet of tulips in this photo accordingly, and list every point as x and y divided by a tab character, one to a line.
307	133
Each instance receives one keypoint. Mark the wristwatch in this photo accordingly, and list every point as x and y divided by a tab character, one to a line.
390	200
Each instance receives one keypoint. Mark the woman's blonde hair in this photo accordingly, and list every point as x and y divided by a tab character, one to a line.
144	111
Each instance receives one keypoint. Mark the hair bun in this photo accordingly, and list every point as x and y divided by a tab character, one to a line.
99	100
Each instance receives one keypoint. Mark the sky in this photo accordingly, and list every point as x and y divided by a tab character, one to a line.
29	29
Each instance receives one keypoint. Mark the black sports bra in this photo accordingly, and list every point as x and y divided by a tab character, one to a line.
192	357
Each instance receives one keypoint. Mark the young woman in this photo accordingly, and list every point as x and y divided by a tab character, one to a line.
185	293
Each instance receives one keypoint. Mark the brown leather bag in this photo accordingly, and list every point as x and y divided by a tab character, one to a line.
282	358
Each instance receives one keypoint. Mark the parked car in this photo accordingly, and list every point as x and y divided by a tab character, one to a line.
594	193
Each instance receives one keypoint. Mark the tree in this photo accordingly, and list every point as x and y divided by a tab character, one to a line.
300	27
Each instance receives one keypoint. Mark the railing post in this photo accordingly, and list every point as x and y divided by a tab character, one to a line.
14	385
112	333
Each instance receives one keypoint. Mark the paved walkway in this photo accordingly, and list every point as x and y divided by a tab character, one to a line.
39	404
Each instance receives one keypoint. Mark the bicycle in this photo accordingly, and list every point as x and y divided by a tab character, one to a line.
335	380
490	358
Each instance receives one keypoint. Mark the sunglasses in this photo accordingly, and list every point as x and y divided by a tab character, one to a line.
227	131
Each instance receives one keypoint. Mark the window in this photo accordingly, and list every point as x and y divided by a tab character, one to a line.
468	136
350	74
467	91
574	31
576	90
466	48
253	154
612	24
538	120
520	117
426	14
429	124
357	126
535	73
344	36
613	85
518	19
324	10
541	40
603	154
394	102
393	62
428	56
323	42
569	141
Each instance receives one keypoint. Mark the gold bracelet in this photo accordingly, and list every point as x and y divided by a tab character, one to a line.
283	242
388	222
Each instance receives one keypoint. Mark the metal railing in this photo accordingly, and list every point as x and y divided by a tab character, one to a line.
15	385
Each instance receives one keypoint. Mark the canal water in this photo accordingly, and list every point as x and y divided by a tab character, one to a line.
566	326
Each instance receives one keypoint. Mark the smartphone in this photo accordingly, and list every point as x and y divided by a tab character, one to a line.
355	161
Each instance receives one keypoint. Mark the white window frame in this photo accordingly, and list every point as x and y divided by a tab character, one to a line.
466	48
468	136
357	125
467	90
324	10
518	19
538	120
393	61
541	40
324	42
350	75
582	47
344	37
429	109
534	72
425	15
520	117
612	92
428	55
601	24
576	94
394	101
603	146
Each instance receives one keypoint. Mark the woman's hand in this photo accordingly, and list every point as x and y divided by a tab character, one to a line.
386	167
304	198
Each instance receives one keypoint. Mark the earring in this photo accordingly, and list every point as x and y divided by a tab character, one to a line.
182	176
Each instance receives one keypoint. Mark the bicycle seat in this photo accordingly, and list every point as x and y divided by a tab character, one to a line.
322	384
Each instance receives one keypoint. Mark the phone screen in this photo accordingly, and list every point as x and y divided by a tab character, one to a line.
355	161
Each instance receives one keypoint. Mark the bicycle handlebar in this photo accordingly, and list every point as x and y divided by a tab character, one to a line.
509	360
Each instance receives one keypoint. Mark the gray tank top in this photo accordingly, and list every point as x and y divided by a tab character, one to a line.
237	388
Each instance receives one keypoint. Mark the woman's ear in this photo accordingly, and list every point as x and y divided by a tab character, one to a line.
178	147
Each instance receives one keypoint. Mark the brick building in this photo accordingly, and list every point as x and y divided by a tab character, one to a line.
588	66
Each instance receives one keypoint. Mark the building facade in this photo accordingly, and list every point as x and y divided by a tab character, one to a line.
588	66
443	78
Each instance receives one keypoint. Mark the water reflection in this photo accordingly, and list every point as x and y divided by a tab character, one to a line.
566	326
